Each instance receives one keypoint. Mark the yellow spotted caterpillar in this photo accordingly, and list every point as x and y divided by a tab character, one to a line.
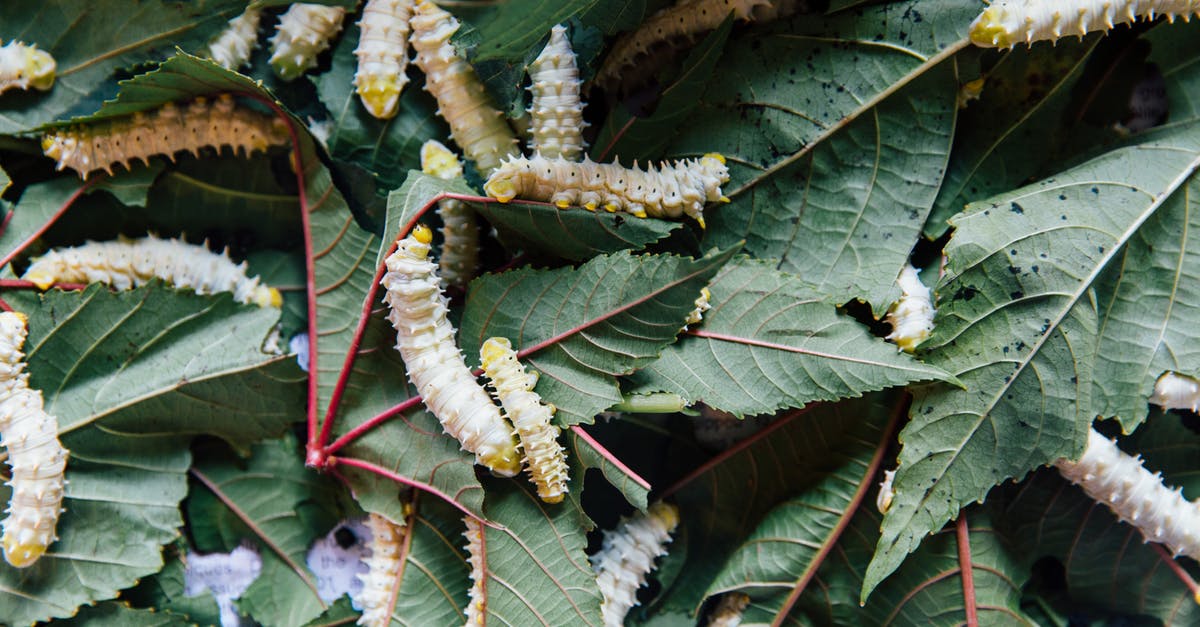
476	126
23	66
382	55
556	113
383	567
1006	23
544	456
627	556
164	131
911	317
425	339
667	191
1136	495
303	33
128	263
477	598
460	232
232	47
1176	391
37	459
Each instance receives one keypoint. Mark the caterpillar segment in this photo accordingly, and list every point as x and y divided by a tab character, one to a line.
460	231
627	555
303	33
23	66
911	317
556	112
476	611
383	566
1007	23
382	55
232	47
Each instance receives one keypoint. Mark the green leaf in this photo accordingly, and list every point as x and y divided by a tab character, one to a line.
1017	323
90	40
586	454
608	317
434	582
122	504
575	234
770	342
273	500
509	31
537	571
117	614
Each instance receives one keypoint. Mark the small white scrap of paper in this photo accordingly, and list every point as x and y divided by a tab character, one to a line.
337	559
227	575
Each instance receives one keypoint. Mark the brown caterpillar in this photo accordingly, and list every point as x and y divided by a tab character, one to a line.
627	556
425	339
382	55
669	191
382	567
556	113
164	131
1006	23
128	263
37	459
303	33
476	126
232	47
460	232
23	66
545	458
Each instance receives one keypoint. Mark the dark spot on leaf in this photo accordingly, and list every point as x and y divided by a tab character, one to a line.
1017	294
1017	209
965	293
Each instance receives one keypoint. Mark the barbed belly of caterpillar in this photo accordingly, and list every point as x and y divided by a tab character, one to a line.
303	33
382	55
460	232
128	263
670	191
1007	23
627	556
556	113
425	339
383	566
911	317
37	459
545	458
477	596
23	66
231	48
164	131
476	126
1136	495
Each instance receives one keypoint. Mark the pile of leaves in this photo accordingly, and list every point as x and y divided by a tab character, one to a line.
1065	291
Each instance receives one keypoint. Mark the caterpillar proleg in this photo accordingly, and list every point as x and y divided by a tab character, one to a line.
425	339
460	232
911	317
627	556
128	263
23	66
1007	23
544	456
382	55
556	112
233	46
303	33
37	459
383	566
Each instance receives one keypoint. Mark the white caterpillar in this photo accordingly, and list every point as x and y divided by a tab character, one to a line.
37	459
460	232
668	191
379	582
556	112
232	47
23	66
1006	23
911	317
128	263
1135	495
477	600
887	494
627	556
729	610
425	339
544	456
164	131
696	316
303	33
382	55
476	126
1176	391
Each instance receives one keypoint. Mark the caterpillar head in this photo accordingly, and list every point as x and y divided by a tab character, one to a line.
20	554
493	350
502	186
438	160
503	461
665	514
422	234
39	68
267	297
989	30
381	95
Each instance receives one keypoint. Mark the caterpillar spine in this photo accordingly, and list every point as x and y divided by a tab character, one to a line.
303	33
382	55
128	263
460	232
23	66
627	556
476	611
1006	23
425	339
668	191
545	458
1135	495
232	47
476	126
912	316
164	131
383	566
37	459
1176	391
556	112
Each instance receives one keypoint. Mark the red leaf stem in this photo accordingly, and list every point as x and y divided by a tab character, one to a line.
22	284
616	138
1178	570
358	431
333	462
50	222
963	533
4	306
606	454
7	218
